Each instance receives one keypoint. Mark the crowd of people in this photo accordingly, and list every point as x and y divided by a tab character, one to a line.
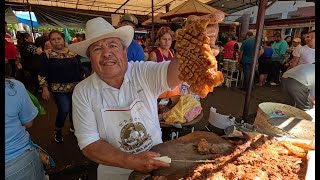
112	99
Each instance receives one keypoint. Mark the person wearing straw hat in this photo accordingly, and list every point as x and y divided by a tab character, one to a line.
115	109
135	50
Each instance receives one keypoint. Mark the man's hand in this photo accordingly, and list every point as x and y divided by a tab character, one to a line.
145	162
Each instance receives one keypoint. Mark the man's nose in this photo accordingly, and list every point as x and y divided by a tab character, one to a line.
106	52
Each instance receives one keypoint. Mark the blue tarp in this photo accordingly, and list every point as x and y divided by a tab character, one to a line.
24	17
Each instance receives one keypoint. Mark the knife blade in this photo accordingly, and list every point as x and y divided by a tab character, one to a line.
195	161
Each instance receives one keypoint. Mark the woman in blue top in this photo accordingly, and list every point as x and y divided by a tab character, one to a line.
22	160
265	62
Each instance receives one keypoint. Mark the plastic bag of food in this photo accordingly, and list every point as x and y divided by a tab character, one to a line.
180	111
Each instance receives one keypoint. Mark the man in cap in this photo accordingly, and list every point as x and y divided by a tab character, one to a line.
296	45
306	54
135	50
115	109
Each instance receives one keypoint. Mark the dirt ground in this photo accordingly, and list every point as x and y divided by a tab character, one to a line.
72	164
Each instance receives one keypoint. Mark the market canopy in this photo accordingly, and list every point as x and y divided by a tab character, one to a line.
156	20
10	17
190	7
24	17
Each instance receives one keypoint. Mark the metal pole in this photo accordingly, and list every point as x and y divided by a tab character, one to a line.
257	44
152	29
31	20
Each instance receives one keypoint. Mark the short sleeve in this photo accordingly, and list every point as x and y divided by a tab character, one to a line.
283	48
154	76
84	120
242	46
28	111
296	52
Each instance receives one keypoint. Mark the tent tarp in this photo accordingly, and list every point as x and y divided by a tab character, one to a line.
24	17
190	7
10	17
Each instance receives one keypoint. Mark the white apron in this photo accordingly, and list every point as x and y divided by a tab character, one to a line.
128	129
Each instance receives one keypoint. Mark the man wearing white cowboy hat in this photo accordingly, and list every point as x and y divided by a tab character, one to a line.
115	109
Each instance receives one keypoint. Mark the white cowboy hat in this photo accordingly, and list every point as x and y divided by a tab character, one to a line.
97	29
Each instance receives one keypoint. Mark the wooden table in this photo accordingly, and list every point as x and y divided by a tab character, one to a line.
183	148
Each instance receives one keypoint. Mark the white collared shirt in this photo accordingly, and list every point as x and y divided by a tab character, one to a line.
149	79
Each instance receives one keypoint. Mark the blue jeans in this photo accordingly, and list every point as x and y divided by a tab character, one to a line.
27	166
246	74
64	104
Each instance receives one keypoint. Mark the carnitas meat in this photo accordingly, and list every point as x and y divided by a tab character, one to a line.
195	52
203	147
264	158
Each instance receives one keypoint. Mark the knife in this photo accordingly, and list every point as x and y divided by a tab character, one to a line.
194	161
167	159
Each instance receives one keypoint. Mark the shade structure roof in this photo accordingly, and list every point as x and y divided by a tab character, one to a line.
156	20
24	17
190	7
138	7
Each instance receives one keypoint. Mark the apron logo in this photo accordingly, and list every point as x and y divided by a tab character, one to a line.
134	138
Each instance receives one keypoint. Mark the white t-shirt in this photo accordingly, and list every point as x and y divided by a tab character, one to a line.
296	51
151	77
307	55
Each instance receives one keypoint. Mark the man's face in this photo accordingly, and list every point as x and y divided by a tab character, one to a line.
108	58
310	39
277	38
295	44
45	33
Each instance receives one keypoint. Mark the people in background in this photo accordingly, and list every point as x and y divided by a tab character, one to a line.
146	52
41	41
265	62
30	55
306	54
231	49
78	38
288	39
279	47
135	50
163	52
294	49
60	71
10	53
299	84
86	64
245	56
22	160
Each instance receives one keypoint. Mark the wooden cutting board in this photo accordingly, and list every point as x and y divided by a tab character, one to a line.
183	148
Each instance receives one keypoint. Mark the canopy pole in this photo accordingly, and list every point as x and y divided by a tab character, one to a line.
257	44
152	29
31	20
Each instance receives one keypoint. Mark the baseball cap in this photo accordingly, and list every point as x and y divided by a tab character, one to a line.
130	18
